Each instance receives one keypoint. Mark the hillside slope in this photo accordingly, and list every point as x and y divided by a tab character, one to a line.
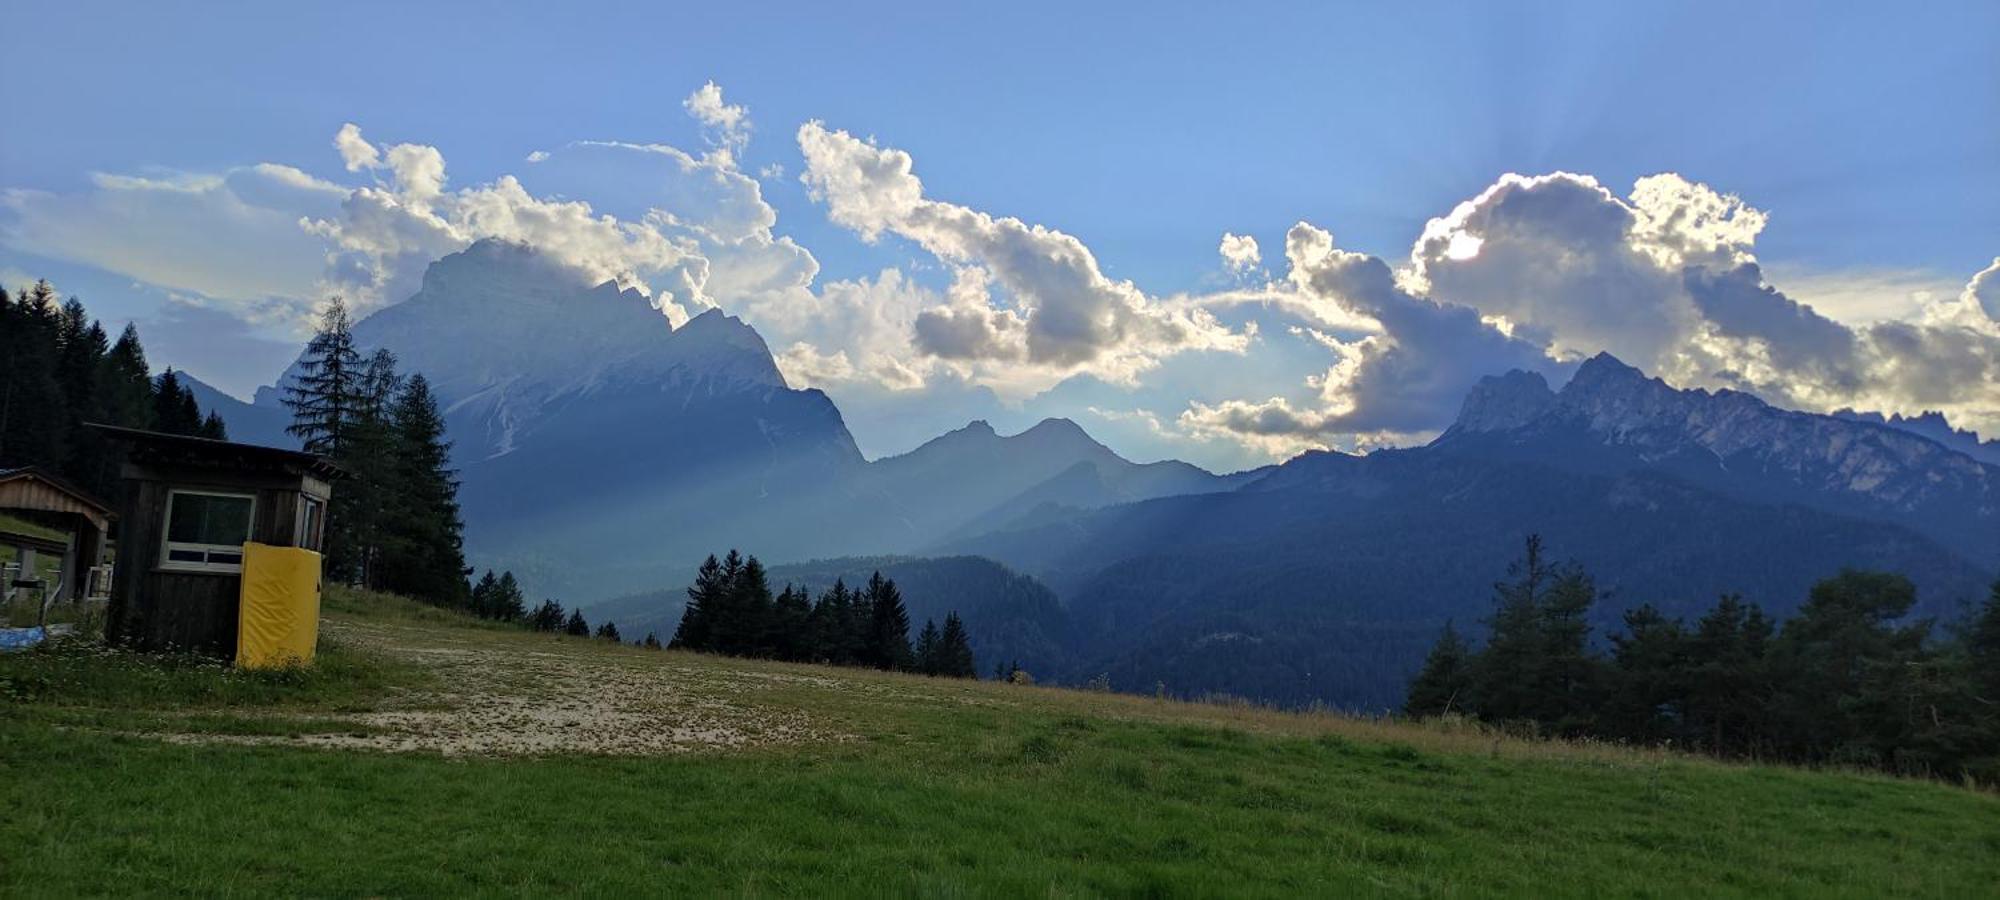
454	759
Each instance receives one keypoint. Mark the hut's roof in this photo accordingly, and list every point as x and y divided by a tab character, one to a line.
57	493
181	449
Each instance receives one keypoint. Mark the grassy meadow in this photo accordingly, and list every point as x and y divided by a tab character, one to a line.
427	754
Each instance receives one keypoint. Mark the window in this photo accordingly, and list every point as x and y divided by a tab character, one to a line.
206	532
312	516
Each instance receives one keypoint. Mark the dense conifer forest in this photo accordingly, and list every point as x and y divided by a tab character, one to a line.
1849	679
394	524
731	611
59	370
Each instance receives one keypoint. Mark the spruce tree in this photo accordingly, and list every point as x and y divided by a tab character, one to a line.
126	382
1646	697
888	644
705	596
547	617
575	626
1505	681
424	535
483	596
1982	643
956	650
508	604
1440	687
929	650
323	396
791	625
609	631
652	641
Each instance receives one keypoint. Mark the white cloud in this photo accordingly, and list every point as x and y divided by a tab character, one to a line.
1239	253
730	124
1055	309
1536	270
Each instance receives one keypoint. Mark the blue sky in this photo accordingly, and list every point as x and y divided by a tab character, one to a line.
1869	135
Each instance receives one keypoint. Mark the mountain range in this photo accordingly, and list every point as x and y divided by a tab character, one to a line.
604	452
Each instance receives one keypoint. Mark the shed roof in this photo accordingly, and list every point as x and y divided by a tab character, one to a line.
58	494
156	446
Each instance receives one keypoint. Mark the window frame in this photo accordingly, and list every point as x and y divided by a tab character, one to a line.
168	545
310	529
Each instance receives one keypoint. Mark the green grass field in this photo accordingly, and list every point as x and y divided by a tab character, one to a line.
429	755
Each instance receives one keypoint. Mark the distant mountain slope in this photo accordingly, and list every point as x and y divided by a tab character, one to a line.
973	479
603	451
1010	617
1933	426
1612	418
1328	578
248	423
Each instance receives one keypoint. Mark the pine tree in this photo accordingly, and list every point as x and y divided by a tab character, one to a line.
1728	679
609	631
955	650
213	428
324	395
575	626
424	541
1569	676
928	650
791	625
126	382
1982	643
1504	684
888	644
1840	665
33	424
745	628
484	596
652	641
1646	700
705	596
508	604
1442	684
547	617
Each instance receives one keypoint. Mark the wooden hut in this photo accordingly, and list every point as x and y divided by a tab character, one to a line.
190	505
55	534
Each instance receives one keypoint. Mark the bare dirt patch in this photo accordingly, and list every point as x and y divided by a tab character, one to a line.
499	698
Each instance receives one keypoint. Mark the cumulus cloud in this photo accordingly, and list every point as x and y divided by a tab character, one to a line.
661	219
730	125
1537	272
1054	309
1239	253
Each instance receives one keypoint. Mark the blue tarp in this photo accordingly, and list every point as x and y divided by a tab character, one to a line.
20	638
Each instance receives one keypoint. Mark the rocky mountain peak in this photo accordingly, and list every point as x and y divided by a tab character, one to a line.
1503	402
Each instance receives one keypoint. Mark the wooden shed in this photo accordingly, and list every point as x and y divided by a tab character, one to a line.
46	519
190	505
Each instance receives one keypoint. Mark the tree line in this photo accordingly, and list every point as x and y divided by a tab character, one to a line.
394	524
1844	681
732	611
59	370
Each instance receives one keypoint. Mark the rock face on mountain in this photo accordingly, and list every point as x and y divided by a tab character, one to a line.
603	451
1612	418
1328	578
973	480
1932	425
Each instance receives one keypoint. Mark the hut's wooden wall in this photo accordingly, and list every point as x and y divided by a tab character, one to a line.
165	610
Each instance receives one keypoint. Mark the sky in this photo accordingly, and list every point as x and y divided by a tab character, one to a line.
1219	234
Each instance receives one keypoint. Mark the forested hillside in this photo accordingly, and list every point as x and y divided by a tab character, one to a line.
59	370
1009	617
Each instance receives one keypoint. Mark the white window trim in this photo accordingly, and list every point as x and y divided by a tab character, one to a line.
302	530
168	563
